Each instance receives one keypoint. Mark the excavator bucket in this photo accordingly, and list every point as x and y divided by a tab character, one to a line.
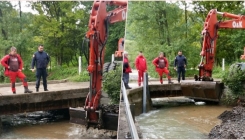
202	90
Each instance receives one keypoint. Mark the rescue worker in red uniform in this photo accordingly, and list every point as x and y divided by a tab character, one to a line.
13	68
141	66
161	64
126	70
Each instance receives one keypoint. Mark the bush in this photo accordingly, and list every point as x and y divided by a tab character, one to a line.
235	79
112	84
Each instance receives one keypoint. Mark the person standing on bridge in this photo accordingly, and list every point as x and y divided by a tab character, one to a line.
126	70
41	60
141	66
161	64
13	68
180	63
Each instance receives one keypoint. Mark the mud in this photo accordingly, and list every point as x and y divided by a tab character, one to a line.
110	108
232	126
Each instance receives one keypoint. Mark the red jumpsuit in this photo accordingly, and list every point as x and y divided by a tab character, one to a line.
13	65
161	67
141	66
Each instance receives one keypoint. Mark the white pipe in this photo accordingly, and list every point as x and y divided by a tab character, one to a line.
112	58
79	65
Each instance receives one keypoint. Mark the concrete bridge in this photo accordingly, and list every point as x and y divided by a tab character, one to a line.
61	94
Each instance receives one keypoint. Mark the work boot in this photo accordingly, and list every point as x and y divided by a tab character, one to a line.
127	86
45	89
170	82
37	90
27	90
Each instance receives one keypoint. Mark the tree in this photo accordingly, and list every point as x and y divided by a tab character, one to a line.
61	26
230	42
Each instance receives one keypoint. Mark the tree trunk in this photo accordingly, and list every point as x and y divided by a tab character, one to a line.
166	25
185	19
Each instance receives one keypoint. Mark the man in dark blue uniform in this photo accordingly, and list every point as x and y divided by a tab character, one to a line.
180	63
41	60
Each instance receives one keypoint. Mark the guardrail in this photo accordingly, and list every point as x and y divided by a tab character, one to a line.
130	120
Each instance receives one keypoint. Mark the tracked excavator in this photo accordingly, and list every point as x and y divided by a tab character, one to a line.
204	87
97	35
118	57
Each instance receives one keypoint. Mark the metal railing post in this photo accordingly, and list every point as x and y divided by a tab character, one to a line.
131	125
1	126
145	91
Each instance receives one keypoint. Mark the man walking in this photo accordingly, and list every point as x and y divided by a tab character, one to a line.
13	68
126	70
180	63
41	60
141	66
161	64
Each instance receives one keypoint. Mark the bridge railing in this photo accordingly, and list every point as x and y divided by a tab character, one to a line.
130	120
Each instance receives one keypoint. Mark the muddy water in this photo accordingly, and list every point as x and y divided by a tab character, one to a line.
45	125
169	122
180	122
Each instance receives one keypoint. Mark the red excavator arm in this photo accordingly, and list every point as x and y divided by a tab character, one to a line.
98	33
211	26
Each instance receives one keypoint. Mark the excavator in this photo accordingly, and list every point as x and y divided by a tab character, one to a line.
204	87
97	35
117	55
120	49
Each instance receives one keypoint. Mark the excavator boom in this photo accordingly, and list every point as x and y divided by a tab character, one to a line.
98	33
205	88
210	34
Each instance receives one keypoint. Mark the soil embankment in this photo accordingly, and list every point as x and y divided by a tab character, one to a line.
232	126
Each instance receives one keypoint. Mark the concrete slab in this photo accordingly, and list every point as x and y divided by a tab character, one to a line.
5	89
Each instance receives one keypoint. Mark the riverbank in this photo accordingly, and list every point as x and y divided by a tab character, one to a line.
232	126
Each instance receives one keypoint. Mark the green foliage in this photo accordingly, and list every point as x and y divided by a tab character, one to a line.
228	98
151	31
112	84
70	73
152	27
218	72
235	80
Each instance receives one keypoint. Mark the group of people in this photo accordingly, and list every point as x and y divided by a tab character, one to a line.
161	66
13	67
13	64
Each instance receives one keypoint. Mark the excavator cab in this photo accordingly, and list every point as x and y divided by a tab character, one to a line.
120	49
118	57
243	56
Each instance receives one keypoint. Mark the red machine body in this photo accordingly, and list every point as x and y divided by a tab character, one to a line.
97	35
211	26
120	49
